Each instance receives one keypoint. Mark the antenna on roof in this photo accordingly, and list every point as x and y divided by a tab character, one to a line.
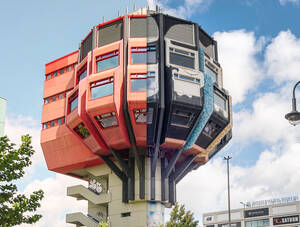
127	10
134	7
103	19
119	13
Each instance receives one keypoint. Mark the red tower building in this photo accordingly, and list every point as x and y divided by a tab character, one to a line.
138	107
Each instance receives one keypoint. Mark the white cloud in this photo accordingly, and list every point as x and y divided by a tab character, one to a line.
56	203
275	174
282	57
265	122
283	2
186	10
237	55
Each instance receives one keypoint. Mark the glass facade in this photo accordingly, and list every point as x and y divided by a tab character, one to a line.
257	223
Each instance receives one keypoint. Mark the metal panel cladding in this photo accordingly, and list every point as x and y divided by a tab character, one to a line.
2	115
86	45
110	33
138	27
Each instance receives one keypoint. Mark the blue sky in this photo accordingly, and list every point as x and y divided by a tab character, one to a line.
259	50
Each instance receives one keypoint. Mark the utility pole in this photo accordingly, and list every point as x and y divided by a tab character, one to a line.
228	189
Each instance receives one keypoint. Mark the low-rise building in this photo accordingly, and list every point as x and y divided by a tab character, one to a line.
282	214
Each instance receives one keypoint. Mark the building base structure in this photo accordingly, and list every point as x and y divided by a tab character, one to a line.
105	199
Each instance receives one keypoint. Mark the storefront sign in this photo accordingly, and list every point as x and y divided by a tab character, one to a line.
286	220
235	224
209	219
269	202
256	212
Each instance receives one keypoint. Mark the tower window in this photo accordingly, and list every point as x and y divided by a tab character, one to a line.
102	88
182	58
82	73
107	61
140	116
73	103
107	120
220	102
182	118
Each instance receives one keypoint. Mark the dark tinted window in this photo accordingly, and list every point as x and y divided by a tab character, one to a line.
181	118
182	60
107	120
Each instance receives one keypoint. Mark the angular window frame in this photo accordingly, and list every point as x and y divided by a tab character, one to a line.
101	118
100	83
184	53
137	112
107	56
71	100
82	71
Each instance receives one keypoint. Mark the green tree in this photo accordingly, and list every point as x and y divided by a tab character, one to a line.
16	208
181	218
103	224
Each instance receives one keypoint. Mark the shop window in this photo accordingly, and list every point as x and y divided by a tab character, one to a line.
69	68
62	71
52	123
107	120
186	78
140	116
102	88
220	102
47	100
73	103
82	131
182	118
258	223
48	77
53	98
54	74
138	55
182	58
107	61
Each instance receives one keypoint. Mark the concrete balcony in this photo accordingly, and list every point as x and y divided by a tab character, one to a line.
79	219
80	192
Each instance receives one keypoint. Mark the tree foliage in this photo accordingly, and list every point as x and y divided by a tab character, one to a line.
16	208
181	218
103	224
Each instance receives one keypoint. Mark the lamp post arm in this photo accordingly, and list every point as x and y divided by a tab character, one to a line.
294	105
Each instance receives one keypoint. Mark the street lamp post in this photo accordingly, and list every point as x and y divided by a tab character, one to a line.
228	189
294	116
